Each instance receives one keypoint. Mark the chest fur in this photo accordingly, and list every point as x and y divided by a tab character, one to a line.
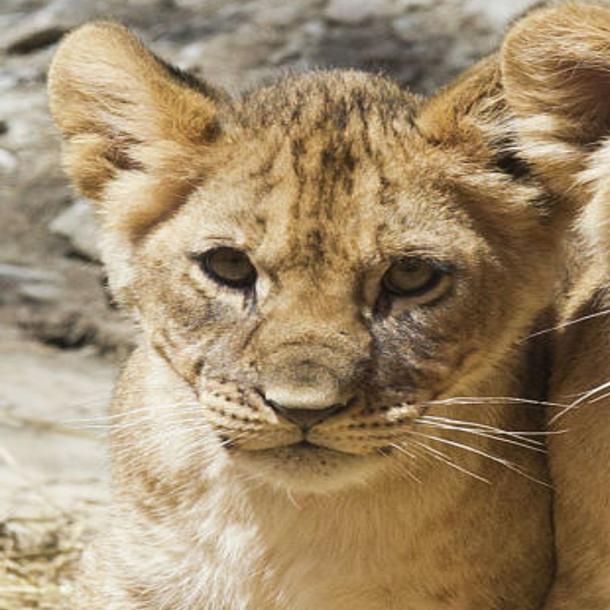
458	545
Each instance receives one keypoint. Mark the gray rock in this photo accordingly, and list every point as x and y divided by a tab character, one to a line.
353	13
41	292
18	273
44	27
34	40
498	14
77	224
8	80
280	15
8	162
406	5
47	400
315	28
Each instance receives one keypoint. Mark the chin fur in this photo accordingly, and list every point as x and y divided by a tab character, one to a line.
307	469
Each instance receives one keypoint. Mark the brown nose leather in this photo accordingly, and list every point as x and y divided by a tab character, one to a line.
305	418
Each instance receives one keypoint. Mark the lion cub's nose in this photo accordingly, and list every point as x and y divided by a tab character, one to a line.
305	418
311	397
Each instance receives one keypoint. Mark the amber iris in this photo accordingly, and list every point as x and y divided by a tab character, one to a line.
411	277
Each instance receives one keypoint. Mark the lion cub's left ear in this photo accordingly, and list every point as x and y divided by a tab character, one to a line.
555	67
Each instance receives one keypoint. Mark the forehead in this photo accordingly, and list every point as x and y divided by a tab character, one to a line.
337	169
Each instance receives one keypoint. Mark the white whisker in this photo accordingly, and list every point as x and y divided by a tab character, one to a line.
521	434
403	467
545	331
503	462
483	434
493	400
583	398
444	458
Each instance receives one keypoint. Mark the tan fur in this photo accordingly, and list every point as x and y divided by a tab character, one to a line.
323	179
557	75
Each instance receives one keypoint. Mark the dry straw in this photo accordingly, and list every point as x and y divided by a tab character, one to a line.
38	562
40	540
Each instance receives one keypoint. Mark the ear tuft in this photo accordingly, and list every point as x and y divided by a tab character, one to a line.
105	69
467	110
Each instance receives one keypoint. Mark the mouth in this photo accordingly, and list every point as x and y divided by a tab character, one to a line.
303	447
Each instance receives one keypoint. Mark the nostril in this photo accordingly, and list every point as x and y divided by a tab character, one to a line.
305	418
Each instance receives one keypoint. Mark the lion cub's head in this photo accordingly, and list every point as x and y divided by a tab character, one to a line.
321	259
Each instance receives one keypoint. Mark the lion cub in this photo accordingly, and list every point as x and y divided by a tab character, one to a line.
332	402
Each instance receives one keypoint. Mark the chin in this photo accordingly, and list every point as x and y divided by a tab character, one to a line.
309	469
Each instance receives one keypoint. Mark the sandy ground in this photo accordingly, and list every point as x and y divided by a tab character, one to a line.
52	455
53	475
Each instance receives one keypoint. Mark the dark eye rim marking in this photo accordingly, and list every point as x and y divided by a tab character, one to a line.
441	271
205	262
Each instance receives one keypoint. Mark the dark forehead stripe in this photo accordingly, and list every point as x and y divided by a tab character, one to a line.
333	122
324	172
335	106
324	99
262	175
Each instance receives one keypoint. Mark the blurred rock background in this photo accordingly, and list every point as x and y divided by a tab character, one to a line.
60	335
51	285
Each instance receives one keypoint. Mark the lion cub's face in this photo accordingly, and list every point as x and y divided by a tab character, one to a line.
320	261
332	278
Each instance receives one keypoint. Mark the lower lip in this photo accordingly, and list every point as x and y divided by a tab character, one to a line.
305	445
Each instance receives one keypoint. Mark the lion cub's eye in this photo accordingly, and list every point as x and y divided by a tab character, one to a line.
228	267
412	277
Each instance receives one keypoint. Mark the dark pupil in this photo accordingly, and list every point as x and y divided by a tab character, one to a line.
410	275
230	266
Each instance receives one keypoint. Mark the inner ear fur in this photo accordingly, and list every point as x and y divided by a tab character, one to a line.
138	135
470	120
556	75
540	108
128	117
469	112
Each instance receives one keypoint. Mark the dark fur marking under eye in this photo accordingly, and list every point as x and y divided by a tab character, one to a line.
383	305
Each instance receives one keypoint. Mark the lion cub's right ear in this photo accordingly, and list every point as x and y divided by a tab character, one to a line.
136	130
138	134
